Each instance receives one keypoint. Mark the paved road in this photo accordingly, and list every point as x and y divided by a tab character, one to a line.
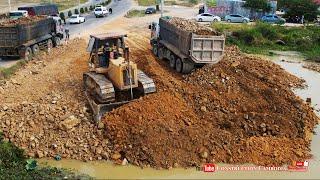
119	8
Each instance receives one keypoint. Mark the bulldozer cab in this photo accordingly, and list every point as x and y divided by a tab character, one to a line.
103	47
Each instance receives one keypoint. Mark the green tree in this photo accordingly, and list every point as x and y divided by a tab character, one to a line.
69	13
76	11
258	5
86	9
306	8
63	17
81	10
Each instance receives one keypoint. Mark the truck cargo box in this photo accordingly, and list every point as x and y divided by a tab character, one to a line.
46	9
15	35
199	48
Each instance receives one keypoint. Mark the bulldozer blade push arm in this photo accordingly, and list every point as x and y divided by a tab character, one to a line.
99	110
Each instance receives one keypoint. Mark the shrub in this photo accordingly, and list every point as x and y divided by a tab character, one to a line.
81	10
86	9
76	11
193	1
267	31
91	8
62	16
69	13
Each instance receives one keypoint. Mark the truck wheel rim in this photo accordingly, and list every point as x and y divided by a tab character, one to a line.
172	61
178	65
49	44
36	50
28	54
155	50
58	43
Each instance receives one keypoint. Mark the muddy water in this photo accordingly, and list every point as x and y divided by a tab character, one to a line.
108	170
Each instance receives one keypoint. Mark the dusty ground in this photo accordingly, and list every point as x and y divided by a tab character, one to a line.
43	108
315	66
240	110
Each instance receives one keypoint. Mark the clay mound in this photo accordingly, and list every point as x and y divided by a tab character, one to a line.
241	110
192	26
22	20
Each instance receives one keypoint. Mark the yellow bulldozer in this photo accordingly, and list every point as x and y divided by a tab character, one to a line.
113	79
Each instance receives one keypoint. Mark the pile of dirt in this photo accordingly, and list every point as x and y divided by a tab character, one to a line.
22	20
43	109
241	110
312	66
192	26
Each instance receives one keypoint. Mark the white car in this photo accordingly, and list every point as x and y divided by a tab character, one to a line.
76	19
100	12
207	17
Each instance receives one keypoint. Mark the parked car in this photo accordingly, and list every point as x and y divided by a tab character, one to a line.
76	19
18	14
207	17
236	18
273	19
100	12
150	10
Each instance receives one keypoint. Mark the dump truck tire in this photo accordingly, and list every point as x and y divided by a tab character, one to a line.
179	65
49	45
187	67
155	50
35	49
27	54
57	41
172	61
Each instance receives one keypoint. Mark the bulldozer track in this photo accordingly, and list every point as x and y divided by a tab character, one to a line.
99	86
146	83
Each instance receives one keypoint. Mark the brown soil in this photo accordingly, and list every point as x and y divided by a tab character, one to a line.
315	66
192	26
22	20
43	108
240	110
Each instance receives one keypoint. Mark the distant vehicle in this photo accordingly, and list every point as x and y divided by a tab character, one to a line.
97	6
150	10
207	17
236	18
273	19
76	19
48	9
25	40
100	12
18	14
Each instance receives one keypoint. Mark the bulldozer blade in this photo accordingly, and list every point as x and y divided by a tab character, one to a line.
99	110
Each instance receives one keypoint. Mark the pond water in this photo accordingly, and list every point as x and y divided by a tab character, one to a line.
103	169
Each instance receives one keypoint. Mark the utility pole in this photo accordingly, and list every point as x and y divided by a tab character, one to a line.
162	2
9	3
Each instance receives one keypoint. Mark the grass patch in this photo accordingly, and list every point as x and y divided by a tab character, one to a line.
135	13
14	165
261	38
7	72
187	3
146	2
211	3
